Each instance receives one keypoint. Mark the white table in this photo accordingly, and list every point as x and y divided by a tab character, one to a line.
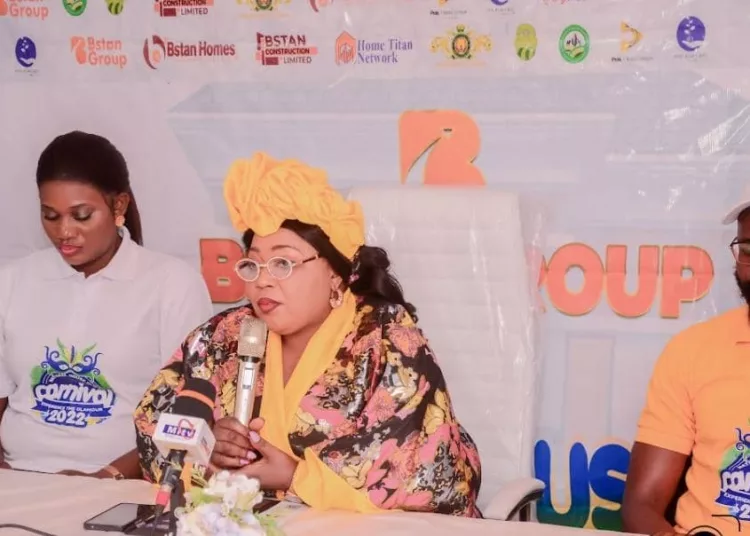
59	505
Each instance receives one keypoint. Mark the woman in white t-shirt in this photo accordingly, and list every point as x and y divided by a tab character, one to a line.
85	325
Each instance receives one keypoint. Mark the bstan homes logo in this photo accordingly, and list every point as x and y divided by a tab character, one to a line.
157	49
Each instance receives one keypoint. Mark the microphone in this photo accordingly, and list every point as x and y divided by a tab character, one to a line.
185	435
251	347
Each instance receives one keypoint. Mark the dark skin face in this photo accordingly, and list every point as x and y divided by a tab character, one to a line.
655	473
79	220
742	269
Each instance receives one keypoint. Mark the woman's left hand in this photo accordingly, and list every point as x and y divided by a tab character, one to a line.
275	469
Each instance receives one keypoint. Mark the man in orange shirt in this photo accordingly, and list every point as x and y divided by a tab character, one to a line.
697	417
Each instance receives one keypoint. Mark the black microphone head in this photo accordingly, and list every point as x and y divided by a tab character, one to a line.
196	400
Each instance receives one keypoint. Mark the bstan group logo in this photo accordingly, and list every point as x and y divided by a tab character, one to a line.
98	51
24	9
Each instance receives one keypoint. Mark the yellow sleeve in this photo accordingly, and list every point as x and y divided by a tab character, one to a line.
668	420
319	487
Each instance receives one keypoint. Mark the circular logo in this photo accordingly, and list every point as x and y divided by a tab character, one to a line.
74	7
525	42
499	2
263	5
574	44
691	33
154	51
25	52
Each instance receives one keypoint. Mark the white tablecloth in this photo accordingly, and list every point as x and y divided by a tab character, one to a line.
59	505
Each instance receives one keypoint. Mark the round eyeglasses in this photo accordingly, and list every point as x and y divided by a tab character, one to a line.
280	268
740	250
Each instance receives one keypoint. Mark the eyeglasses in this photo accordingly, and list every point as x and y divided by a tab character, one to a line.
280	268
740	250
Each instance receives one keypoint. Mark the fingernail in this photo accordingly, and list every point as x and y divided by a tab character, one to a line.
243	461
251	455
254	437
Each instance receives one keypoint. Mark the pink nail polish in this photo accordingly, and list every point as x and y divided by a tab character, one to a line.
254	437
244	462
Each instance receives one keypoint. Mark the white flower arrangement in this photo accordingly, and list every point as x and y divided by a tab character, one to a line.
225	506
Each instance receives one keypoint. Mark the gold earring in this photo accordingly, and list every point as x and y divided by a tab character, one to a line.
120	220
337	298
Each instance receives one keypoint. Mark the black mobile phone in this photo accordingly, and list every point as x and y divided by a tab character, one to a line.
265	504
123	517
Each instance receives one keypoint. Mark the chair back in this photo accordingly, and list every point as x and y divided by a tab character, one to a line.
460	256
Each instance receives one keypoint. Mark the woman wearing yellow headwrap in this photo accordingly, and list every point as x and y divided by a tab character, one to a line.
354	410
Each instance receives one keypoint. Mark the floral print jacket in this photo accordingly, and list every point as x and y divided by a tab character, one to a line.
380	417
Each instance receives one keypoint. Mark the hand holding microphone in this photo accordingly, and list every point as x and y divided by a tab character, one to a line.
251	348
238	440
233	449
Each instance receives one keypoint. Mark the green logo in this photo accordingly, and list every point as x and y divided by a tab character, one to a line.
574	44
115	7
525	42
75	7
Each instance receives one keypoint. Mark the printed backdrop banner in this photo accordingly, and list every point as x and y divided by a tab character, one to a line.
627	118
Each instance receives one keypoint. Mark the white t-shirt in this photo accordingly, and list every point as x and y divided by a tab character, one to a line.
77	354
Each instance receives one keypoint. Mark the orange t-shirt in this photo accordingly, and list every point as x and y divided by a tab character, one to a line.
699	403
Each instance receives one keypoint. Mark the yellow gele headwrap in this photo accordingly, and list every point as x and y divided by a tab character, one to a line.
262	192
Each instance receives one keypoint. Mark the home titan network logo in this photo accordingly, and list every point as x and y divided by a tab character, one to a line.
156	50
24	9
284	49
98	52
25	52
351	50
174	8
461	44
